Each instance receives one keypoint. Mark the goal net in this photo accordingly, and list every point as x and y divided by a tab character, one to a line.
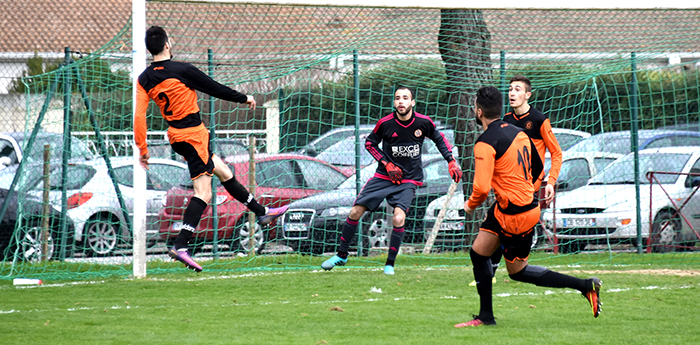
322	74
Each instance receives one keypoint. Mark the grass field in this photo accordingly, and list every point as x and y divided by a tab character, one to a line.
642	304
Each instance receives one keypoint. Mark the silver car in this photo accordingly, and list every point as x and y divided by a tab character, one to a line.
92	202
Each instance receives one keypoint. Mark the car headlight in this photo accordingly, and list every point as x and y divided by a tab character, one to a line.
336	212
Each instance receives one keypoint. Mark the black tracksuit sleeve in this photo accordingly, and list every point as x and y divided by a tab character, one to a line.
196	79
372	145
442	144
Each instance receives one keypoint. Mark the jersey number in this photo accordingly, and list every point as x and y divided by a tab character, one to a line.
163	96
524	161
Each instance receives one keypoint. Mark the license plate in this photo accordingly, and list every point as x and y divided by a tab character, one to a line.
578	222
452	226
295	227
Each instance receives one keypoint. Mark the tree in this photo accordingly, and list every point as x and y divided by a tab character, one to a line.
465	46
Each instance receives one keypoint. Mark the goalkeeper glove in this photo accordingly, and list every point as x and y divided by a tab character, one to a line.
455	171
395	173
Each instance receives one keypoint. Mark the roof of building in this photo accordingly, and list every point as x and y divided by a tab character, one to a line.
86	25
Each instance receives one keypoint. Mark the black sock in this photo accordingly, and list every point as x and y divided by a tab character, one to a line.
541	276
349	230
193	213
395	244
496	259
483	274
241	194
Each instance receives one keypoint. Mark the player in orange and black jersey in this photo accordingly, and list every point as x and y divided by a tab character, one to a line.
172	86
505	160
537	126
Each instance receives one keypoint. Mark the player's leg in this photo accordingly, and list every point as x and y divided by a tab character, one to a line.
400	198
484	244
495	262
397	234
346	236
516	254
239	192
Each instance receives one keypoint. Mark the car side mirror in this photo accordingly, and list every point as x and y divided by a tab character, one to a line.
310	151
562	185
695	182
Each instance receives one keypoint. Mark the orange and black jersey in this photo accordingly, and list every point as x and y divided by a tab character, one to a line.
539	129
505	159
173	85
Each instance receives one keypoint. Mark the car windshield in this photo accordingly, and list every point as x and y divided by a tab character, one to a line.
29	179
621	171
567	140
366	173
343	153
604	143
78	148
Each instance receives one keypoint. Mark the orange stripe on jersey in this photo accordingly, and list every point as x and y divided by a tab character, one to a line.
174	99
552	144
140	127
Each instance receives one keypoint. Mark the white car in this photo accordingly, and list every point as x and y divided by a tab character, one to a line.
92	203
578	167
605	210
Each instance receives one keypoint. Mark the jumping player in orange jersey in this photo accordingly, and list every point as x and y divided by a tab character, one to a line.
505	159
537	126
172	86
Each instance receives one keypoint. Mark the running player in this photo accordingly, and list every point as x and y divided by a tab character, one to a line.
505	159
172	86
537	126
399	172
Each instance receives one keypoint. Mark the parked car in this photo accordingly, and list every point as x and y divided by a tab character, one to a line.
569	137
605	209
620	142
281	179
12	146
22	235
331	137
313	224
92	203
576	169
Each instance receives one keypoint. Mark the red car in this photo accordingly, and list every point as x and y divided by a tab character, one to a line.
281	179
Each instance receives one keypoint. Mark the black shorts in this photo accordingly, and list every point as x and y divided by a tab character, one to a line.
196	149
378	189
515	246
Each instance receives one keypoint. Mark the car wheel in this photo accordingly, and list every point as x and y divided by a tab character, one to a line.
30	243
240	240
100	236
375	232
665	231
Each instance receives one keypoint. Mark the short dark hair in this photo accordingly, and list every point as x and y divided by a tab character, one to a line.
413	95
156	37
490	101
524	79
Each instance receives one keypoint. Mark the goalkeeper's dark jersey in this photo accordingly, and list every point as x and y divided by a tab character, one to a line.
403	144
